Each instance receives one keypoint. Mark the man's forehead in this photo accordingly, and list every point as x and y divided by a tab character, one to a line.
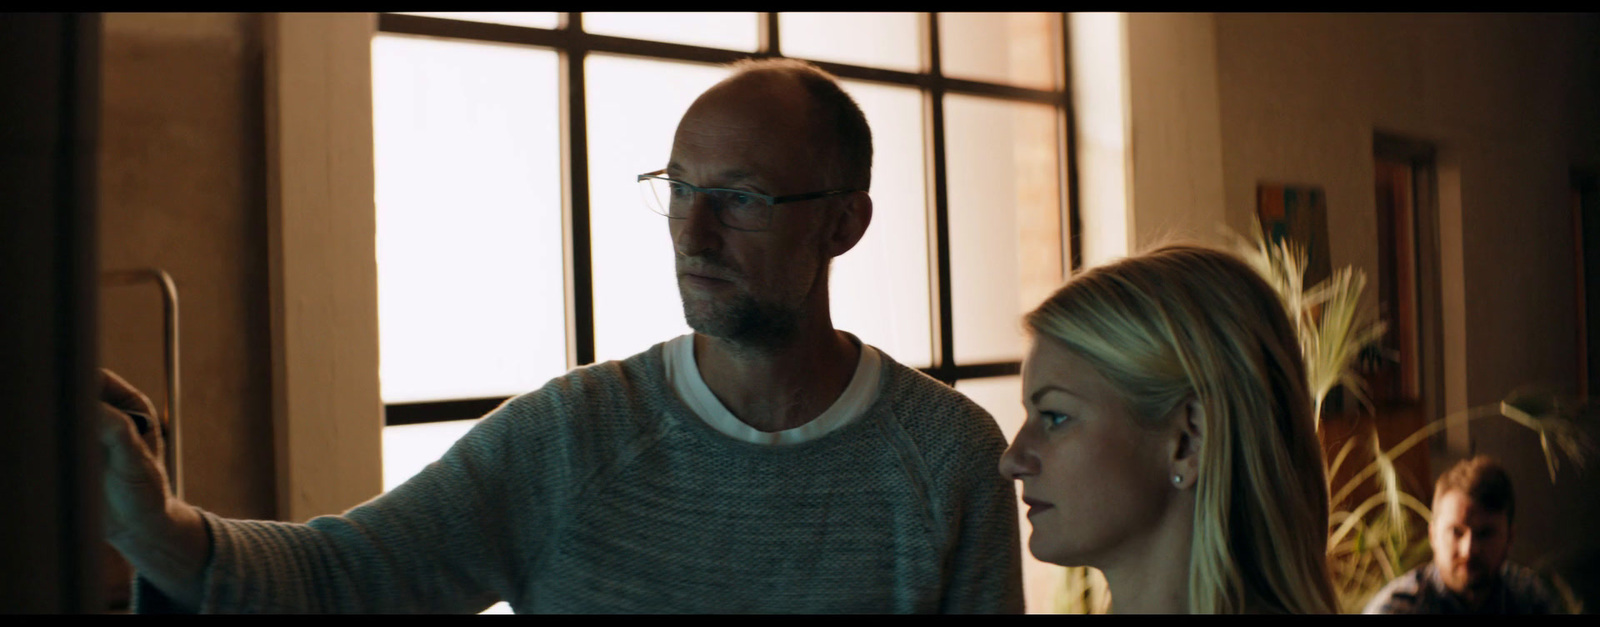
727	175
1461	509
731	119
752	102
732	133
724	156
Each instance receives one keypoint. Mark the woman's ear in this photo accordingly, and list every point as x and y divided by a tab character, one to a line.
1190	431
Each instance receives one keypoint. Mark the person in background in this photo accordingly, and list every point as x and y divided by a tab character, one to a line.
1170	442
1471	533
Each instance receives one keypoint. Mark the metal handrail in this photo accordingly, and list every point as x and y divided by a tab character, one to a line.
169	301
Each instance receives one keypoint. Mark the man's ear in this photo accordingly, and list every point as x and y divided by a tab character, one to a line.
1189	436
849	224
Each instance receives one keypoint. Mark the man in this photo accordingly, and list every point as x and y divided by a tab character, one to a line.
1473	507
765	463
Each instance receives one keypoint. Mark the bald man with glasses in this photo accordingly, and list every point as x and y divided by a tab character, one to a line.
766	463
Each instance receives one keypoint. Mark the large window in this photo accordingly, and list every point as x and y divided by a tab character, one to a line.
512	243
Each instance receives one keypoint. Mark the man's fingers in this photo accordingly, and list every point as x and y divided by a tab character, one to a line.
135	484
126	449
118	392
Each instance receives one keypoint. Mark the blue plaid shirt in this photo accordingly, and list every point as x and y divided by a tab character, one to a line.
1421	591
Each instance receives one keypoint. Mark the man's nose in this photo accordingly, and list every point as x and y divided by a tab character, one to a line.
699	229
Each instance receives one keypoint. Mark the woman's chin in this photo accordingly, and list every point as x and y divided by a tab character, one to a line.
1060	556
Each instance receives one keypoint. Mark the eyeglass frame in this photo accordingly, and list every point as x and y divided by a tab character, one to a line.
772	201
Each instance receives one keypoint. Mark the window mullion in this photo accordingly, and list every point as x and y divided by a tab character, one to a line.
933	97
767	31
578	262
1067	158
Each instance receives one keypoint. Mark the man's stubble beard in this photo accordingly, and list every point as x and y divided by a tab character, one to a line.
1466	585
745	320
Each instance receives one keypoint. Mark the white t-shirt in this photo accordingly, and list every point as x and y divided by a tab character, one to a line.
684	376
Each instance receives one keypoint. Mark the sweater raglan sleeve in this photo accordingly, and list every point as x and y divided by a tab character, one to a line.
453	539
985	563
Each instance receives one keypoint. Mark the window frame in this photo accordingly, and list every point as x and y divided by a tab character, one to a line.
573	45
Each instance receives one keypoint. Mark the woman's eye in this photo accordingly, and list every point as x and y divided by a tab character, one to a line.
1053	419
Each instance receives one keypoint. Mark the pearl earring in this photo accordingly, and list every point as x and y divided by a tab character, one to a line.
1177	479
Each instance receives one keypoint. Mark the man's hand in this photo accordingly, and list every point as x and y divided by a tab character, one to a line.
162	537
135	477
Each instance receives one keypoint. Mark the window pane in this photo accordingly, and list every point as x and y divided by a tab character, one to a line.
1005	221
733	31
880	288
470	297
634	107
1002	397
1099	86
536	19
1018	48
886	40
407	449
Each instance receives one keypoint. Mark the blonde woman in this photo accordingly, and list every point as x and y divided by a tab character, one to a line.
1169	439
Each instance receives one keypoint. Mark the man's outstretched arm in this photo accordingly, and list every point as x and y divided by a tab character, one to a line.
452	539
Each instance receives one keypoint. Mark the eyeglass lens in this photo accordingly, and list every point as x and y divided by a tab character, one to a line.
735	209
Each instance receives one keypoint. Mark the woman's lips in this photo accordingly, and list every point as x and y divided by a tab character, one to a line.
1034	506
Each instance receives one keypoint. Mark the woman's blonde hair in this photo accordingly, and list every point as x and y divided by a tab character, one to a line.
1185	322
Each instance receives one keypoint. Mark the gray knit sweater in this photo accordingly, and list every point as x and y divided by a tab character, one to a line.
602	492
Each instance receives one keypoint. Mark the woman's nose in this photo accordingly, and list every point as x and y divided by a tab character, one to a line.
1018	461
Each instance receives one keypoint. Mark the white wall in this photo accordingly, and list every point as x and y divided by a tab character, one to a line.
1176	146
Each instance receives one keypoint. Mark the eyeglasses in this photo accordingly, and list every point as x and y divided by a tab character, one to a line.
736	209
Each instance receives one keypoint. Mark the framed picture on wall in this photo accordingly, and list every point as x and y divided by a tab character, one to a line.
1299	213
